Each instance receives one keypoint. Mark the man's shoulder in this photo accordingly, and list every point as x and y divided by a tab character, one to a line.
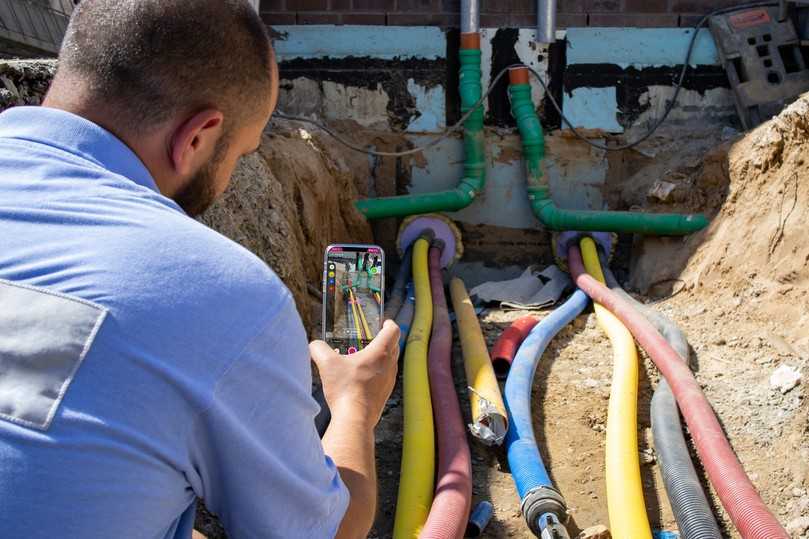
182	268
211	260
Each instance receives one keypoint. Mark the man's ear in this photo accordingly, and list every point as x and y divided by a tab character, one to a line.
194	141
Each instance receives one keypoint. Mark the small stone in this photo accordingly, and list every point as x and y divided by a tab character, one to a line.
798	526
720	342
662	191
595	532
647	456
797	492
785	378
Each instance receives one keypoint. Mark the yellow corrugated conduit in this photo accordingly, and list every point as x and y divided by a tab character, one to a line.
625	503
365	328
418	449
489	418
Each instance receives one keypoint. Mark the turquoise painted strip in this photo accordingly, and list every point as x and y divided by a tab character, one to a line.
593	108
384	42
639	47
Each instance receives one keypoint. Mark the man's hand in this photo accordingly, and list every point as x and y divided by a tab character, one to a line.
356	388
360	384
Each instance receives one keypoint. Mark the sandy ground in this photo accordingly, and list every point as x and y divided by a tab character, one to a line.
767	429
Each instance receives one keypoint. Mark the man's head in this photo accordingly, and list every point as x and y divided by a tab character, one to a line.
188	84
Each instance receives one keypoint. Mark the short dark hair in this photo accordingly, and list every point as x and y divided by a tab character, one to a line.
152	59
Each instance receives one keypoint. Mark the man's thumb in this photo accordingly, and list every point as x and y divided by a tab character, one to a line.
387	336
320	352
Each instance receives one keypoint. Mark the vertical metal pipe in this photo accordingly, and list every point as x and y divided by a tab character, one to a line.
546	21
470	16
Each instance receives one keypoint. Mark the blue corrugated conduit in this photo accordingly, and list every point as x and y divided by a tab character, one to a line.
405	317
693	513
542	505
398	293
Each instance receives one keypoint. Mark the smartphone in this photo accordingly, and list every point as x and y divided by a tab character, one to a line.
353	296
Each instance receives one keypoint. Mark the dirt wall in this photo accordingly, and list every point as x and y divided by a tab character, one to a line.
287	203
754	253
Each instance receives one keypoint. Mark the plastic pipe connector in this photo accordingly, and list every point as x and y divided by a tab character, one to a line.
418	447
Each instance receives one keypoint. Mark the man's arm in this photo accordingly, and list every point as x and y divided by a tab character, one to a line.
357	388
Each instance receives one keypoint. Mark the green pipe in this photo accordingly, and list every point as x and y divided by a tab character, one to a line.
554	218
474	177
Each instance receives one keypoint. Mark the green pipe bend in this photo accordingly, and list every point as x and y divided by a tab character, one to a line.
474	176
555	218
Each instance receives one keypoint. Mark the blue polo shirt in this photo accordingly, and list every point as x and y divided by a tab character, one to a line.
145	360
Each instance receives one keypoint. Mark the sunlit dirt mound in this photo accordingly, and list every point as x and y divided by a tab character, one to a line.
756	248
755	251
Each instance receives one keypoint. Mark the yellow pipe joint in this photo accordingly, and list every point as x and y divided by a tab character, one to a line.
627	509
489	418
418	449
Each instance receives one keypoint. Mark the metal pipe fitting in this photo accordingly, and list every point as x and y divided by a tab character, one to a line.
546	21
470	16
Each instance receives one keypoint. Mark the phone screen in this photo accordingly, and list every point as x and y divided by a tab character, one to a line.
353	296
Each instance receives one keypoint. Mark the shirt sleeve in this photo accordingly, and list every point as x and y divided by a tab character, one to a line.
257	458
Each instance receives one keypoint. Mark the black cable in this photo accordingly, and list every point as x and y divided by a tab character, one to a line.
457	126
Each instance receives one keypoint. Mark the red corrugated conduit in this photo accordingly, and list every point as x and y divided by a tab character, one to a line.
509	342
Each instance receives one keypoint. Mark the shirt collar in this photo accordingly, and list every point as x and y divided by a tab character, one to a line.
78	136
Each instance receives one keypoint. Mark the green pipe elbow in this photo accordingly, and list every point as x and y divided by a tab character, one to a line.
557	219
474	143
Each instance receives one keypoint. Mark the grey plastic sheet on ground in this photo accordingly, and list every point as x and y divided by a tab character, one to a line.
533	290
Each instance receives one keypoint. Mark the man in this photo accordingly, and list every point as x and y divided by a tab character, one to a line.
144	359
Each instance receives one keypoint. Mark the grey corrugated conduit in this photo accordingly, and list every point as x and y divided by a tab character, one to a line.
693	513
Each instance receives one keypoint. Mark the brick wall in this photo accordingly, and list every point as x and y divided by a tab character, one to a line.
494	13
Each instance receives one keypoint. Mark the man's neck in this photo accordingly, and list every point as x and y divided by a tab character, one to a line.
70	96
